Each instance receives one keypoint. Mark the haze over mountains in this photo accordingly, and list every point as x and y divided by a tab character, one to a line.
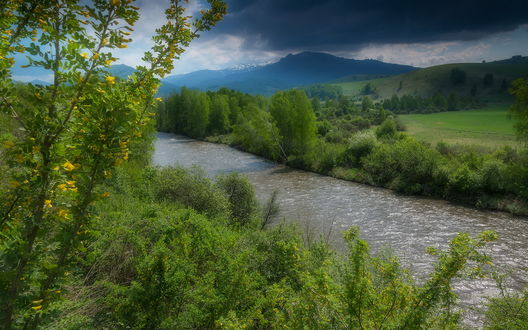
291	71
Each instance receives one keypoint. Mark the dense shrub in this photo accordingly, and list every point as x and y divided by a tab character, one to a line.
405	166
241	196
360	145
191	189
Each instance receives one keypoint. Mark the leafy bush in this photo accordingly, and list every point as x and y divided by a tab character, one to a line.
360	145
406	165
191	189
387	130
241	196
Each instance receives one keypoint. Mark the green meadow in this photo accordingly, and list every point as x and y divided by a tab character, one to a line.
489	127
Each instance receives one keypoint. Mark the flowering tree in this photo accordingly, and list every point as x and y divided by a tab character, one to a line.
71	135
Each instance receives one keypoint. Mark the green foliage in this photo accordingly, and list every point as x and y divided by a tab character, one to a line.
457	76
406	166
508	311
220	112
387	130
190	189
487	81
259	134
163	266
407	104
323	92
520	108
241	197
295	119
71	135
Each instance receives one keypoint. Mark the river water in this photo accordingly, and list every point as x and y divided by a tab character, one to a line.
325	207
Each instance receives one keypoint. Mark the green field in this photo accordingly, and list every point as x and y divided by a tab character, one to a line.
489	127
428	81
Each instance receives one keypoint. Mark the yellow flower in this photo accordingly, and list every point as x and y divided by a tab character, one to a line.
122	46
71	183
115	2
9	32
95	56
20	158
110	79
37	302
85	55
159	99
68	166
62	186
47	203
63	214
74	189
108	62
8	144
56	168
105	194
37	307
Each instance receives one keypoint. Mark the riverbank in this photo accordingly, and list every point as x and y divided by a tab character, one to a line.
324	207
509	204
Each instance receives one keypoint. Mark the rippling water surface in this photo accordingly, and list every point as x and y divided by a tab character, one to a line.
327	206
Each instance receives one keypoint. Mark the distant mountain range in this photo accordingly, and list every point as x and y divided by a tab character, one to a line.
291	71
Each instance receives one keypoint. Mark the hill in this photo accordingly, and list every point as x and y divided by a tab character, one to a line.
426	82
121	70
291	71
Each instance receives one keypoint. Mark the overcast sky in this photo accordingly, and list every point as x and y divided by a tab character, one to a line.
420	33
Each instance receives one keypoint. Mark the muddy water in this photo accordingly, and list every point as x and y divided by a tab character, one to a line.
326	206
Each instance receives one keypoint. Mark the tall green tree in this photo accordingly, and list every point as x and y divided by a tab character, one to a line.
219	115
197	115
519	110
295	119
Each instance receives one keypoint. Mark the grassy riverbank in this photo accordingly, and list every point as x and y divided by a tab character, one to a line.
362	144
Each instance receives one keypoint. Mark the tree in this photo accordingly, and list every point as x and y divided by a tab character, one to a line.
487	81
295	119
457	76
366	104
72	134
473	91
519	109
219	116
367	89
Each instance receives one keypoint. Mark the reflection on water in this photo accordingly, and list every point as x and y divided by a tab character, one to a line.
328	206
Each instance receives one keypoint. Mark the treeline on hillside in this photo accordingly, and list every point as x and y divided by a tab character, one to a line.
439	102
323	91
336	137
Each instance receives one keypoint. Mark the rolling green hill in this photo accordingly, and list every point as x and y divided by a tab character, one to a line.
426	82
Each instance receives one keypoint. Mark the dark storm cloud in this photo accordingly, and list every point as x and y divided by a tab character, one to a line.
338	24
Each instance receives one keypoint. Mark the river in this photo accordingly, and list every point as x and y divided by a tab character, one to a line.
324	207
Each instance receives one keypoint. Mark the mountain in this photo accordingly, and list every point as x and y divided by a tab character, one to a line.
40	82
121	70
291	71
428	81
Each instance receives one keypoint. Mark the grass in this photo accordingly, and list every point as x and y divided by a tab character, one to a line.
428	81
488	127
